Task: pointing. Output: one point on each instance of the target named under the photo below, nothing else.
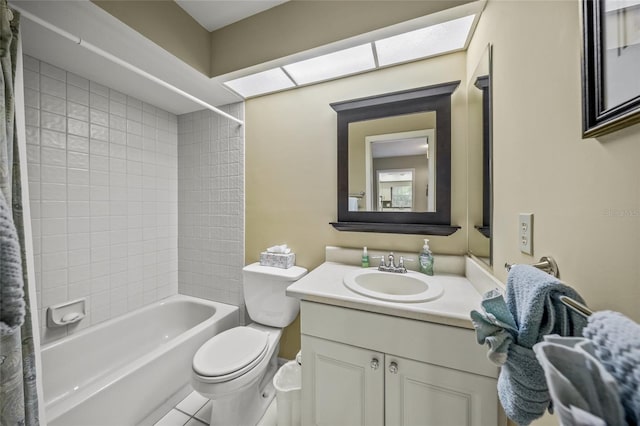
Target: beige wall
(300, 25)
(292, 27)
(168, 25)
(543, 166)
(291, 167)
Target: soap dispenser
(365, 258)
(426, 259)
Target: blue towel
(532, 300)
(495, 326)
(580, 386)
(616, 340)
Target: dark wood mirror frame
(431, 98)
(484, 84)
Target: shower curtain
(18, 394)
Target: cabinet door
(424, 394)
(341, 384)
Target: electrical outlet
(525, 225)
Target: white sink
(392, 286)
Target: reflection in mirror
(392, 164)
(382, 185)
(479, 162)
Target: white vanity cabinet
(363, 368)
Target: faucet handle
(381, 260)
(401, 266)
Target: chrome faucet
(391, 265)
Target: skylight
(425, 42)
(410, 46)
(337, 64)
(263, 82)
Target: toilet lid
(234, 350)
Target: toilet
(235, 368)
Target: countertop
(324, 285)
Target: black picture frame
(599, 119)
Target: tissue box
(277, 260)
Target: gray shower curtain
(18, 395)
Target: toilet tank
(264, 294)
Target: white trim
(390, 137)
(28, 233)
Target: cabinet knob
(375, 364)
(393, 368)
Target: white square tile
(54, 296)
(78, 241)
(31, 79)
(53, 174)
(53, 72)
(99, 132)
(204, 413)
(78, 127)
(99, 102)
(78, 95)
(77, 111)
(78, 160)
(98, 147)
(117, 108)
(53, 87)
(192, 403)
(99, 117)
(117, 96)
(98, 89)
(31, 98)
(77, 81)
(134, 114)
(53, 156)
(32, 116)
(54, 138)
(195, 422)
(78, 192)
(134, 102)
(77, 143)
(81, 273)
(53, 192)
(99, 162)
(54, 261)
(173, 418)
(53, 104)
(54, 226)
(33, 135)
(78, 176)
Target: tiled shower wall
(211, 204)
(103, 187)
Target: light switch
(525, 226)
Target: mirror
(394, 162)
(480, 158)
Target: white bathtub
(120, 371)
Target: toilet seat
(230, 354)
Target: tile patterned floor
(195, 410)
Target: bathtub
(120, 371)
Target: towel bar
(546, 263)
(576, 306)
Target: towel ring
(546, 264)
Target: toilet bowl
(235, 368)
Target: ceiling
(83, 19)
(215, 14)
